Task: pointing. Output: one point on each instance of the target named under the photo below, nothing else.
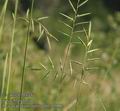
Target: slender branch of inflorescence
(72, 32)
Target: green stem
(71, 36)
(2, 18)
(24, 65)
(25, 56)
(10, 55)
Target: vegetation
(78, 72)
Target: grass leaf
(4, 75)
(86, 34)
(93, 50)
(82, 15)
(66, 24)
(82, 42)
(93, 59)
(72, 6)
(27, 13)
(49, 44)
(44, 66)
(24, 19)
(65, 34)
(89, 43)
(52, 64)
(61, 65)
(89, 31)
(2, 18)
(41, 35)
(32, 25)
(92, 68)
(77, 62)
(45, 75)
(40, 28)
(42, 18)
(83, 3)
(53, 37)
(66, 16)
(81, 23)
(71, 69)
(79, 31)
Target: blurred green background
(101, 91)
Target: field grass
(80, 72)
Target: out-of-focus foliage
(103, 83)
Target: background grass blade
(2, 18)
(11, 54)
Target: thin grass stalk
(69, 45)
(84, 64)
(78, 90)
(32, 8)
(71, 36)
(24, 64)
(11, 53)
(83, 71)
(2, 18)
(4, 75)
(3, 79)
(25, 56)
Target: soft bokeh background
(101, 91)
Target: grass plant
(62, 79)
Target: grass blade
(32, 25)
(53, 37)
(44, 66)
(24, 59)
(79, 31)
(41, 34)
(89, 31)
(83, 3)
(72, 6)
(42, 18)
(65, 34)
(66, 16)
(82, 42)
(89, 43)
(2, 18)
(4, 77)
(40, 28)
(45, 75)
(49, 44)
(81, 23)
(92, 68)
(71, 69)
(66, 24)
(51, 62)
(27, 13)
(93, 50)
(93, 59)
(77, 62)
(11, 53)
(82, 15)
(61, 65)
